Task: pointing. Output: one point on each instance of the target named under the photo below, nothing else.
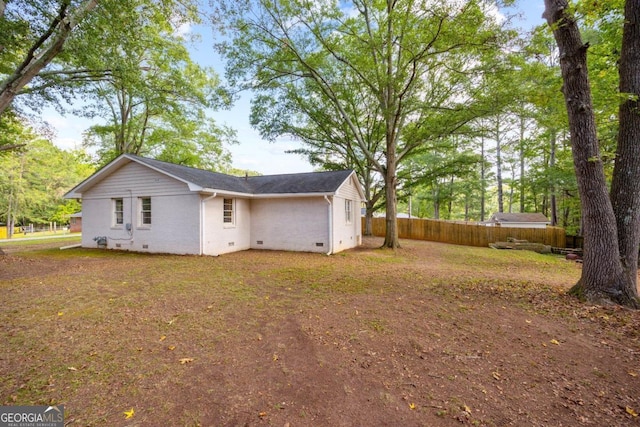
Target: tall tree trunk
(436, 201)
(391, 235)
(625, 191)
(390, 109)
(522, 162)
(391, 183)
(552, 164)
(603, 277)
(466, 207)
(483, 180)
(367, 177)
(513, 180)
(368, 219)
(499, 165)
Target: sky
(252, 153)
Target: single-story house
(75, 222)
(518, 220)
(140, 204)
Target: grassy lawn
(431, 334)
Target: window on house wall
(227, 214)
(348, 211)
(118, 212)
(145, 210)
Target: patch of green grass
(377, 325)
(64, 241)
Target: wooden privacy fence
(468, 234)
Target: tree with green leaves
(127, 61)
(11, 129)
(437, 175)
(326, 136)
(154, 99)
(34, 180)
(32, 35)
(411, 57)
(611, 221)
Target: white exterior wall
(175, 213)
(179, 217)
(290, 224)
(221, 238)
(347, 234)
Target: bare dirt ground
(431, 335)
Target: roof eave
(290, 195)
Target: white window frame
(348, 211)
(118, 214)
(229, 212)
(141, 216)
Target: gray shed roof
(519, 217)
(297, 183)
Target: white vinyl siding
(138, 178)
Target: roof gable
(201, 180)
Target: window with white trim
(145, 211)
(118, 211)
(228, 216)
(348, 211)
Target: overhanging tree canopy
(409, 57)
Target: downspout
(202, 221)
(330, 225)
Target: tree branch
(56, 35)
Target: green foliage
(364, 84)
(153, 97)
(34, 180)
(12, 135)
(127, 62)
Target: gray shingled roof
(519, 217)
(206, 179)
(296, 183)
